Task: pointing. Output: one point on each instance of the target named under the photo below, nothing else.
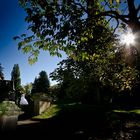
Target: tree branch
(82, 7)
(107, 4)
(132, 10)
(116, 26)
(114, 14)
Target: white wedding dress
(23, 101)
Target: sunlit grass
(51, 112)
(56, 109)
(135, 111)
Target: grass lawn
(56, 109)
(94, 122)
(51, 112)
(131, 111)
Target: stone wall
(40, 106)
(43, 106)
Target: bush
(9, 108)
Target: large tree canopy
(63, 24)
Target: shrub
(9, 108)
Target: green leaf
(59, 54)
(118, 1)
(27, 48)
(20, 44)
(16, 37)
(23, 35)
(111, 2)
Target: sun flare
(128, 39)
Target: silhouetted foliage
(98, 81)
(41, 84)
(15, 77)
(6, 90)
(1, 73)
(27, 88)
(61, 25)
(55, 92)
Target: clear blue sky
(11, 24)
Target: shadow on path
(67, 125)
(78, 125)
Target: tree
(60, 25)
(15, 77)
(3, 95)
(34, 86)
(55, 92)
(128, 13)
(65, 74)
(1, 73)
(41, 84)
(28, 88)
(101, 80)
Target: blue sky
(11, 24)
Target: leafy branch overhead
(64, 25)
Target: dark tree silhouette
(15, 77)
(41, 84)
(1, 73)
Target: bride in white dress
(23, 101)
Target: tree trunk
(133, 20)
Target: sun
(128, 39)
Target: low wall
(43, 106)
(40, 106)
